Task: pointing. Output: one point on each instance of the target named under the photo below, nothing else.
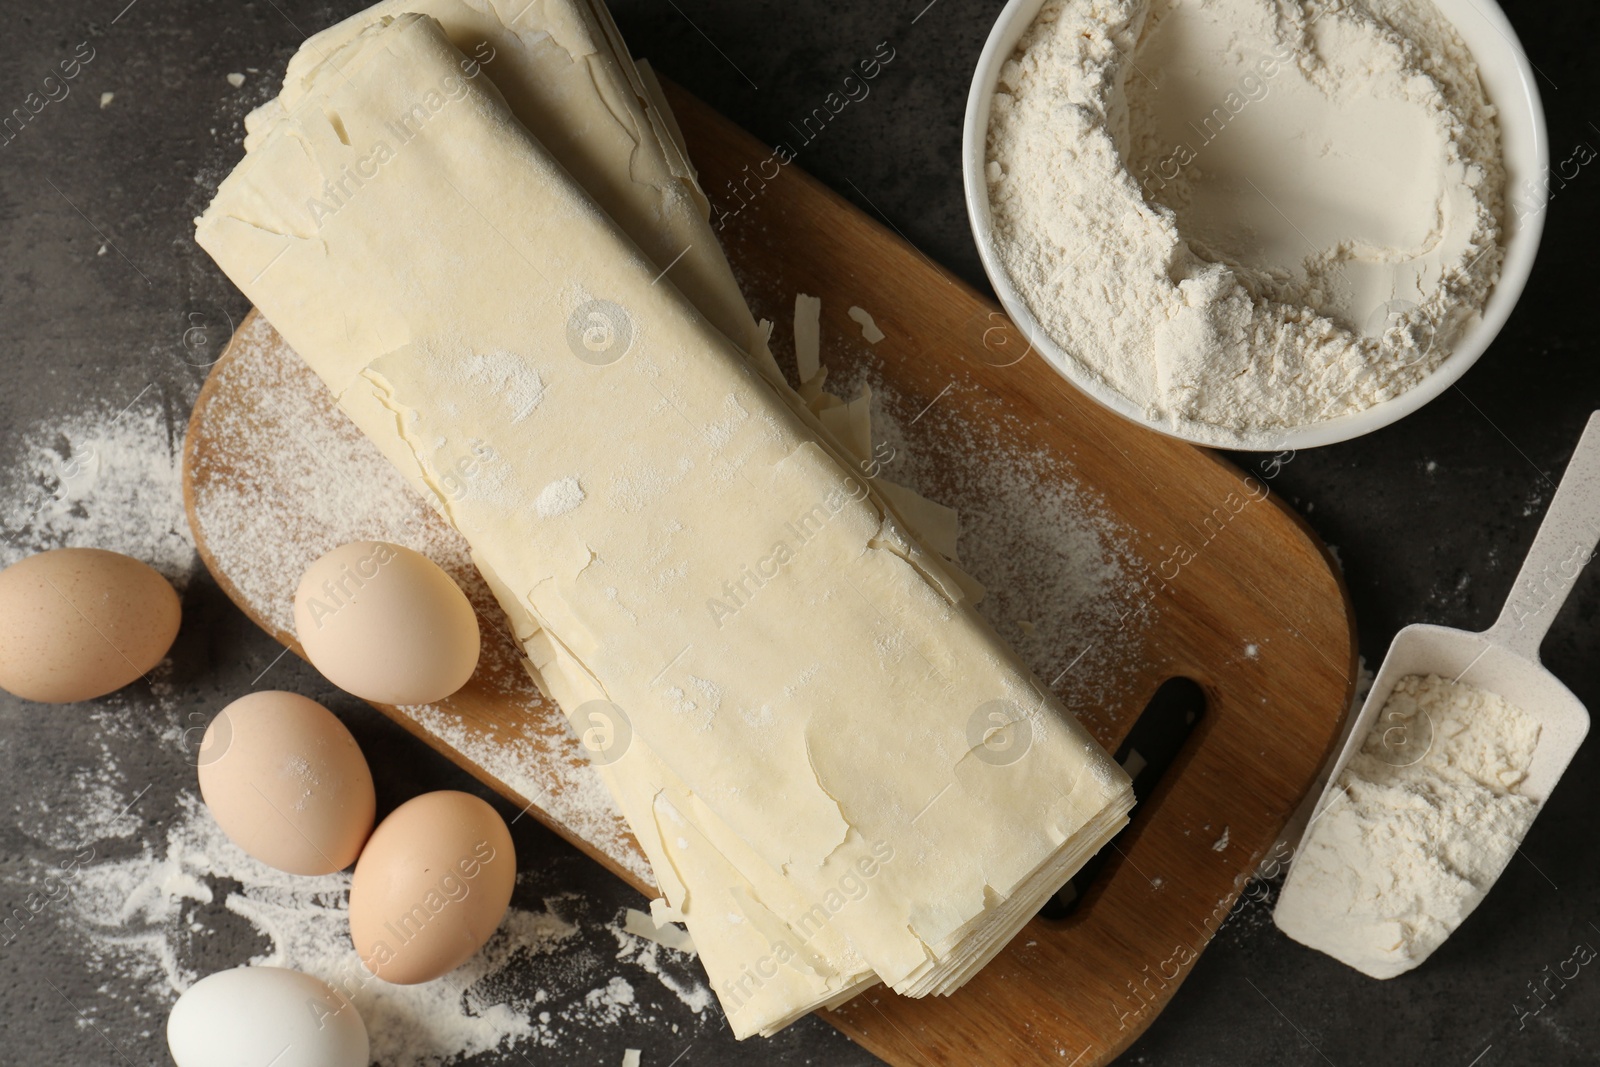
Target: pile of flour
(1427, 818)
(1246, 216)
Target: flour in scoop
(1246, 216)
(1426, 817)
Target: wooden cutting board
(1216, 580)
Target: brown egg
(78, 623)
(287, 783)
(386, 623)
(432, 884)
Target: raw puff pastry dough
(801, 774)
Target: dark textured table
(101, 295)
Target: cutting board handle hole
(1147, 753)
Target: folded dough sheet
(812, 701)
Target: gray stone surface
(100, 282)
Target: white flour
(558, 498)
(1246, 216)
(100, 479)
(1429, 819)
(146, 920)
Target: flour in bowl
(1247, 216)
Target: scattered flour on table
(1428, 817)
(645, 951)
(147, 920)
(100, 479)
(88, 805)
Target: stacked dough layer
(813, 701)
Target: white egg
(251, 1016)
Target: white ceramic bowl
(1508, 79)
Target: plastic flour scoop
(1505, 658)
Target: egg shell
(78, 623)
(287, 783)
(252, 1016)
(432, 884)
(386, 623)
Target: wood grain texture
(1225, 585)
